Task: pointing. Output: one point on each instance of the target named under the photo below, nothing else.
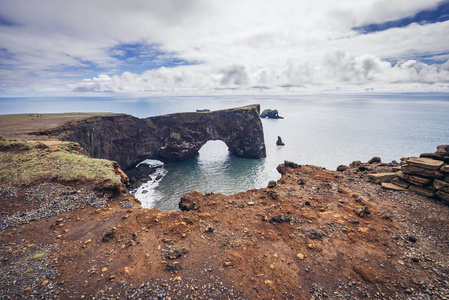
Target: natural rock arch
(129, 140)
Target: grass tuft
(39, 256)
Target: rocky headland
(69, 229)
(130, 140)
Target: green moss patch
(24, 163)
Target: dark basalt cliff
(129, 140)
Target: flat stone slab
(416, 180)
(426, 163)
(401, 183)
(422, 191)
(414, 170)
(391, 186)
(381, 177)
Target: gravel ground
(53, 199)
(26, 272)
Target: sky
(211, 47)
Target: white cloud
(337, 69)
(240, 45)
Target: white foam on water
(151, 163)
(147, 193)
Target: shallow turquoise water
(321, 130)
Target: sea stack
(270, 114)
(279, 142)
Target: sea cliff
(130, 140)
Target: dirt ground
(316, 234)
(19, 125)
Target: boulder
(282, 169)
(190, 201)
(355, 164)
(422, 191)
(441, 185)
(280, 218)
(381, 177)
(363, 210)
(342, 168)
(375, 159)
(442, 153)
(279, 142)
(424, 162)
(443, 150)
(392, 186)
(290, 164)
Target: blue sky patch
(135, 58)
(433, 58)
(439, 14)
(5, 22)
(140, 57)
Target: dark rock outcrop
(279, 142)
(190, 201)
(129, 140)
(375, 159)
(342, 168)
(142, 173)
(270, 114)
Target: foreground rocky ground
(313, 234)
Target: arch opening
(213, 151)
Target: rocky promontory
(129, 140)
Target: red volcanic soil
(315, 234)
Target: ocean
(322, 130)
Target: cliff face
(129, 140)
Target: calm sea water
(321, 130)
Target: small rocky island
(279, 142)
(270, 114)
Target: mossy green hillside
(23, 163)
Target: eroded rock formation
(129, 140)
(270, 114)
(426, 175)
